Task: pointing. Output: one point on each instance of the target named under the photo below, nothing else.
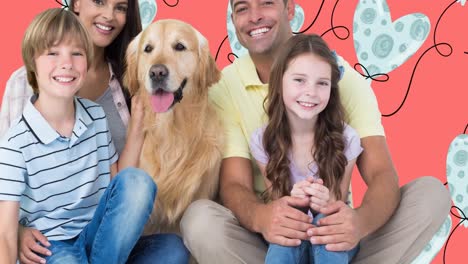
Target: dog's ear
(209, 73)
(130, 79)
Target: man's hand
(340, 230)
(29, 248)
(281, 223)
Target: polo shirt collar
(41, 129)
(82, 117)
(248, 72)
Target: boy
(58, 164)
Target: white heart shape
(382, 45)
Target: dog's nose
(158, 72)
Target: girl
(111, 24)
(306, 143)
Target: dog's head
(170, 60)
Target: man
(392, 225)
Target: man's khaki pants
(213, 234)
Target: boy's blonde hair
(47, 29)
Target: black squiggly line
(411, 79)
(451, 233)
(435, 31)
(229, 56)
(372, 77)
(169, 5)
(219, 48)
(313, 22)
(466, 52)
(466, 128)
(333, 27)
(63, 5)
(332, 30)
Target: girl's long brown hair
(328, 141)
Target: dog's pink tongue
(161, 101)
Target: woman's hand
(130, 155)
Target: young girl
(111, 24)
(306, 149)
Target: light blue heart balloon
(457, 173)
(433, 247)
(381, 44)
(457, 177)
(148, 9)
(296, 24)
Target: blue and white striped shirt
(57, 180)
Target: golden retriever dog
(170, 67)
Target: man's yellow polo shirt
(239, 98)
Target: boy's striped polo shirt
(57, 180)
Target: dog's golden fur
(182, 149)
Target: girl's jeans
(306, 253)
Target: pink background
(434, 113)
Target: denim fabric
(159, 248)
(306, 253)
(116, 226)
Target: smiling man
(392, 224)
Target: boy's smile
(61, 69)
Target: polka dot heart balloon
(457, 173)
(148, 9)
(433, 247)
(457, 177)
(381, 44)
(296, 23)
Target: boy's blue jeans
(306, 253)
(116, 228)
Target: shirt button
(119, 104)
